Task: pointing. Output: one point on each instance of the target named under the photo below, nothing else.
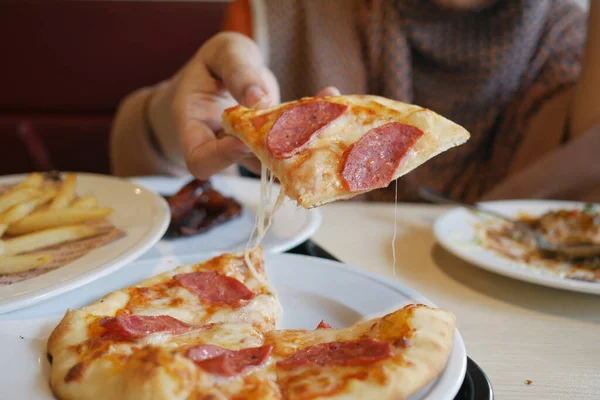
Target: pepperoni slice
(294, 127)
(324, 325)
(372, 161)
(215, 288)
(138, 326)
(357, 352)
(224, 362)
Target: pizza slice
(226, 288)
(385, 358)
(324, 149)
(195, 330)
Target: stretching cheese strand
(263, 218)
(395, 228)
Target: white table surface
(514, 330)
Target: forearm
(132, 151)
(569, 172)
(585, 110)
(161, 124)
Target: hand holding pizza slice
(324, 149)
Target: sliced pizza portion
(226, 288)
(324, 149)
(184, 332)
(385, 358)
(158, 357)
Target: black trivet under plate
(476, 385)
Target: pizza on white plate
(208, 331)
(324, 149)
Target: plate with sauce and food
(219, 215)
(500, 247)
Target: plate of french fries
(59, 231)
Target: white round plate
(455, 232)
(309, 289)
(290, 227)
(144, 217)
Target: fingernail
(256, 96)
(333, 91)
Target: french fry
(88, 201)
(16, 196)
(46, 219)
(66, 192)
(1, 247)
(3, 228)
(33, 180)
(46, 238)
(14, 264)
(24, 209)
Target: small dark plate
(476, 385)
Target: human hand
(185, 112)
(228, 69)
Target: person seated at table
(513, 73)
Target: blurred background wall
(65, 65)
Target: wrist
(160, 123)
(148, 121)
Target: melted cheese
(395, 227)
(264, 216)
(159, 296)
(227, 335)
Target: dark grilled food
(197, 208)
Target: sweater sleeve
(132, 151)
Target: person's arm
(585, 110)
(573, 170)
(570, 172)
(133, 150)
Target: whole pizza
(208, 331)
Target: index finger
(237, 61)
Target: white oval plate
(144, 217)
(455, 232)
(291, 225)
(309, 289)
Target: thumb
(210, 157)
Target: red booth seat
(65, 65)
